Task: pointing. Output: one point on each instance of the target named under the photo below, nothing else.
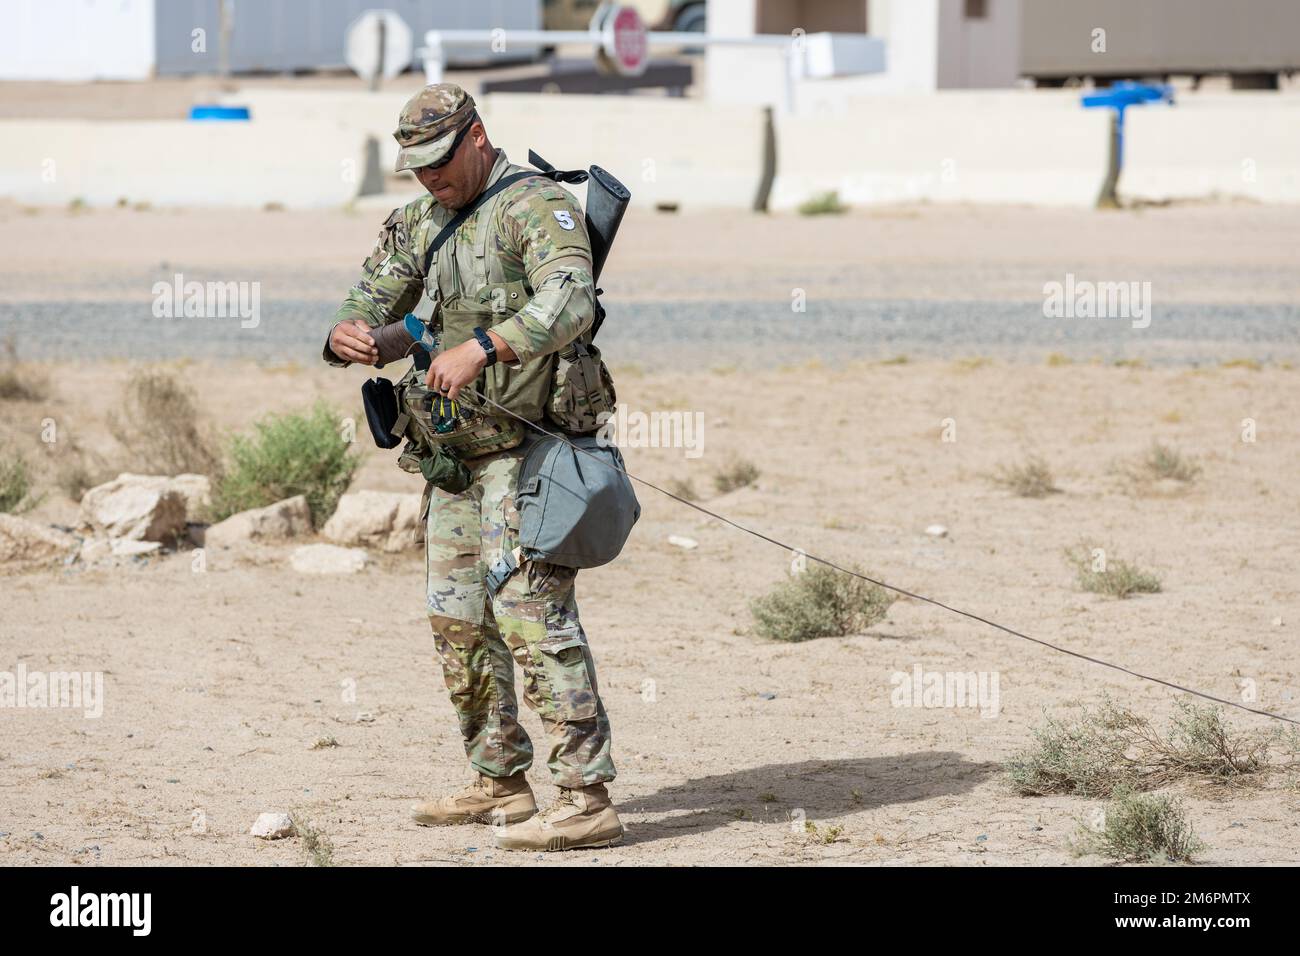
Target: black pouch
(380, 401)
(444, 470)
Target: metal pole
(381, 38)
(794, 59)
(434, 58)
(1108, 198)
(225, 25)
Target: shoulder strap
(558, 175)
(446, 232)
(544, 169)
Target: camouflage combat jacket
(520, 265)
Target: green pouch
(409, 459)
(444, 470)
(582, 393)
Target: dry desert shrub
(1087, 756)
(735, 474)
(683, 488)
(1159, 463)
(158, 423)
(76, 469)
(823, 204)
(1029, 479)
(820, 602)
(18, 383)
(1139, 827)
(320, 851)
(15, 483)
(1107, 749)
(1163, 462)
(825, 837)
(1110, 576)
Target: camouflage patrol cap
(429, 123)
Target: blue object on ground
(219, 113)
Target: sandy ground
(217, 682)
(1209, 253)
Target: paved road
(709, 333)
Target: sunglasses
(455, 144)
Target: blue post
(1118, 98)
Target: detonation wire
(911, 594)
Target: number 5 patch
(564, 218)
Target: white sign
(361, 46)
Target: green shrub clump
(287, 455)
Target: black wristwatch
(485, 340)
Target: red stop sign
(625, 41)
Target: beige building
(989, 44)
(1253, 41)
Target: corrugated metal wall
(282, 35)
(1159, 36)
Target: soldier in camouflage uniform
(520, 267)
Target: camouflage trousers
(533, 621)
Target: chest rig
(571, 390)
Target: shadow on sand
(819, 788)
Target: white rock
(197, 492)
(101, 550)
(195, 489)
(95, 549)
(273, 826)
(126, 548)
(26, 542)
(937, 531)
(327, 559)
(136, 507)
(284, 519)
(679, 541)
(377, 519)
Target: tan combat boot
(583, 818)
(494, 800)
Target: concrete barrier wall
(308, 149)
(301, 164)
(677, 151)
(369, 114)
(1230, 145)
(1036, 147)
(944, 147)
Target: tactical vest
(569, 390)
